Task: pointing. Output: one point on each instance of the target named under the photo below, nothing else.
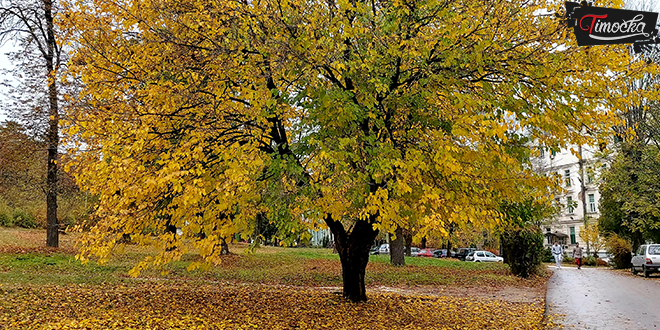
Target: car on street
(461, 253)
(384, 249)
(604, 256)
(483, 256)
(425, 253)
(646, 259)
(414, 251)
(441, 253)
(374, 250)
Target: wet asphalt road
(601, 299)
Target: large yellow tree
(361, 116)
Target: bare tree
(31, 24)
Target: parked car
(646, 259)
(483, 256)
(604, 256)
(414, 251)
(442, 253)
(384, 249)
(374, 250)
(463, 252)
(425, 253)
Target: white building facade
(579, 199)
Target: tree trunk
(52, 231)
(224, 247)
(353, 249)
(423, 244)
(408, 239)
(397, 257)
(583, 192)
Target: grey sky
(4, 64)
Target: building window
(590, 175)
(567, 178)
(553, 153)
(592, 203)
(572, 235)
(569, 204)
(542, 153)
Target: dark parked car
(463, 252)
(442, 253)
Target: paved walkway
(592, 298)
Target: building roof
(556, 234)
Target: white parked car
(646, 259)
(605, 257)
(384, 249)
(483, 256)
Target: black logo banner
(603, 26)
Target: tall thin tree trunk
(353, 248)
(52, 231)
(397, 256)
(583, 193)
(408, 239)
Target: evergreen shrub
(23, 219)
(522, 249)
(589, 261)
(6, 220)
(547, 255)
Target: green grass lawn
(270, 265)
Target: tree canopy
(362, 116)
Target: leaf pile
(179, 305)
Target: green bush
(620, 249)
(589, 261)
(522, 249)
(68, 221)
(546, 256)
(24, 220)
(6, 220)
(568, 259)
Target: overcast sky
(4, 64)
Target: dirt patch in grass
(32, 240)
(535, 294)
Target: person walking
(558, 253)
(577, 254)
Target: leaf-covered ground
(176, 305)
(272, 289)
